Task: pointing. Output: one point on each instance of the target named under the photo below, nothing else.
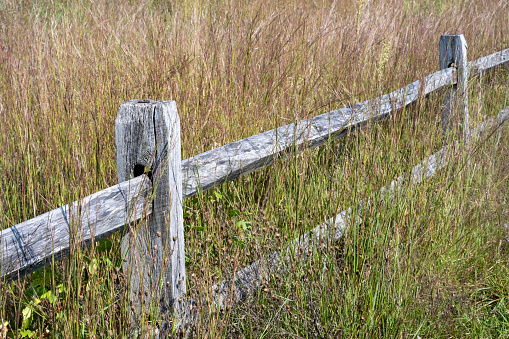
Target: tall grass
(430, 263)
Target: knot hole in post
(140, 169)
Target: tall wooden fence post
(147, 138)
(453, 53)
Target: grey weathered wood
(147, 134)
(453, 53)
(250, 278)
(490, 123)
(51, 236)
(489, 62)
(226, 163)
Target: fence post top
(449, 36)
(453, 51)
(147, 102)
(136, 125)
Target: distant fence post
(147, 138)
(453, 53)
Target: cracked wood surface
(38, 242)
(489, 62)
(147, 135)
(453, 51)
(226, 163)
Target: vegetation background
(431, 263)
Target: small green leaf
(27, 316)
(244, 225)
(26, 333)
(218, 195)
(92, 267)
(108, 262)
(199, 228)
(50, 296)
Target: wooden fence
(153, 181)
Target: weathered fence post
(453, 53)
(147, 138)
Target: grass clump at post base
(432, 262)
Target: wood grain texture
(147, 134)
(453, 53)
(249, 279)
(51, 236)
(226, 163)
(489, 62)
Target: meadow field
(433, 262)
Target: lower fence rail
(249, 279)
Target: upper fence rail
(40, 241)
(489, 62)
(226, 163)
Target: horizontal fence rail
(226, 163)
(40, 241)
(215, 167)
(489, 62)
